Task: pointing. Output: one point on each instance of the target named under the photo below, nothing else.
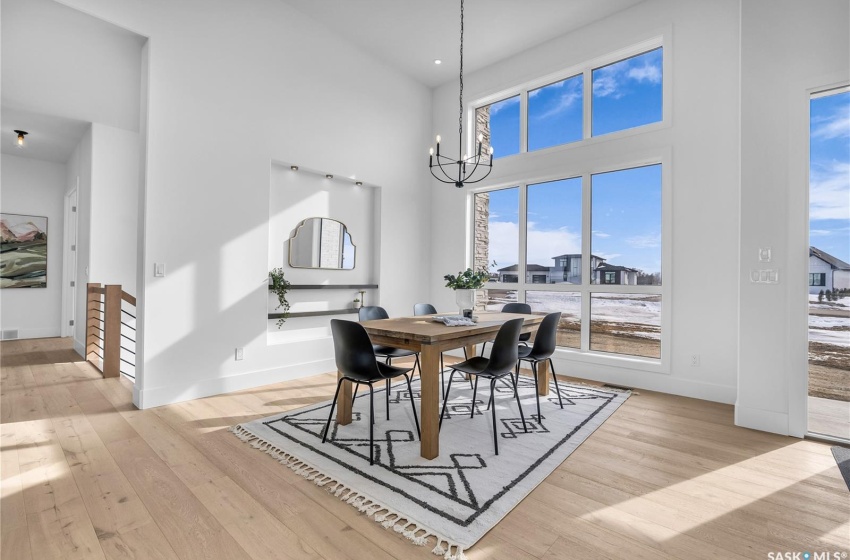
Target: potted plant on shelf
(280, 286)
(465, 284)
(357, 303)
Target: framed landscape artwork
(23, 251)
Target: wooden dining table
(429, 338)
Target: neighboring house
(613, 274)
(567, 270)
(827, 272)
(534, 274)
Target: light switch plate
(159, 269)
(765, 254)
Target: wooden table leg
(430, 404)
(343, 403)
(543, 378)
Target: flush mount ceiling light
(293, 167)
(358, 183)
(474, 161)
(437, 61)
(19, 141)
(329, 176)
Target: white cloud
(499, 105)
(601, 234)
(648, 72)
(566, 101)
(605, 85)
(820, 232)
(829, 197)
(836, 125)
(645, 241)
(608, 256)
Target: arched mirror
(321, 243)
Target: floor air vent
(9, 334)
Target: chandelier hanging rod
(475, 160)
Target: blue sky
(626, 204)
(829, 175)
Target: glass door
(829, 264)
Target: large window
(584, 234)
(618, 277)
(624, 92)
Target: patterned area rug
(457, 497)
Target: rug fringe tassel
(410, 529)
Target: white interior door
(69, 272)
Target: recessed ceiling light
(358, 183)
(329, 176)
(293, 167)
(437, 61)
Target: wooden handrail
(103, 323)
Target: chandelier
(466, 165)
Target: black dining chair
(542, 350)
(523, 308)
(501, 363)
(357, 362)
(372, 313)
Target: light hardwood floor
(86, 475)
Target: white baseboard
(764, 420)
(79, 348)
(160, 396)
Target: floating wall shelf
(314, 313)
(324, 287)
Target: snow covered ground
(830, 329)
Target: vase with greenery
(464, 284)
(279, 287)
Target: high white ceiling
(50, 138)
(409, 34)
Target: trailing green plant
(279, 287)
(467, 280)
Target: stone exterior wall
(481, 252)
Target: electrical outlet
(694, 360)
(240, 354)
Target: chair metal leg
(493, 411)
(413, 405)
(354, 394)
(519, 406)
(388, 399)
(474, 394)
(331, 413)
(536, 391)
(515, 379)
(555, 377)
(446, 399)
(371, 425)
(483, 346)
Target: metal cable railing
(111, 330)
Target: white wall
(114, 206)
(232, 87)
(787, 48)
(59, 61)
(703, 145)
(37, 188)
